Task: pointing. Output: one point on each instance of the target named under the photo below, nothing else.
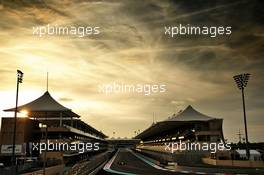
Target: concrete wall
(24, 130)
(54, 170)
(237, 163)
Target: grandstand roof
(45, 103)
(189, 114)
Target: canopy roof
(45, 104)
(189, 114)
(183, 118)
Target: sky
(133, 49)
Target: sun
(24, 113)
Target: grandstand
(188, 126)
(48, 121)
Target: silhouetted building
(25, 135)
(187, 125)
(49, 121)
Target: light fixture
(242, 81)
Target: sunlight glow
(24, 113)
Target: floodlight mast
(241, 81)
(19, 80)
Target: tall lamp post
(241, 81)
(19, 80)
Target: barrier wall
(54, 170)
(237, 163)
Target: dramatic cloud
(132, 49)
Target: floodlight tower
(19, 80)
(241, 81)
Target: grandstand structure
(188, 125)
(48, 120)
